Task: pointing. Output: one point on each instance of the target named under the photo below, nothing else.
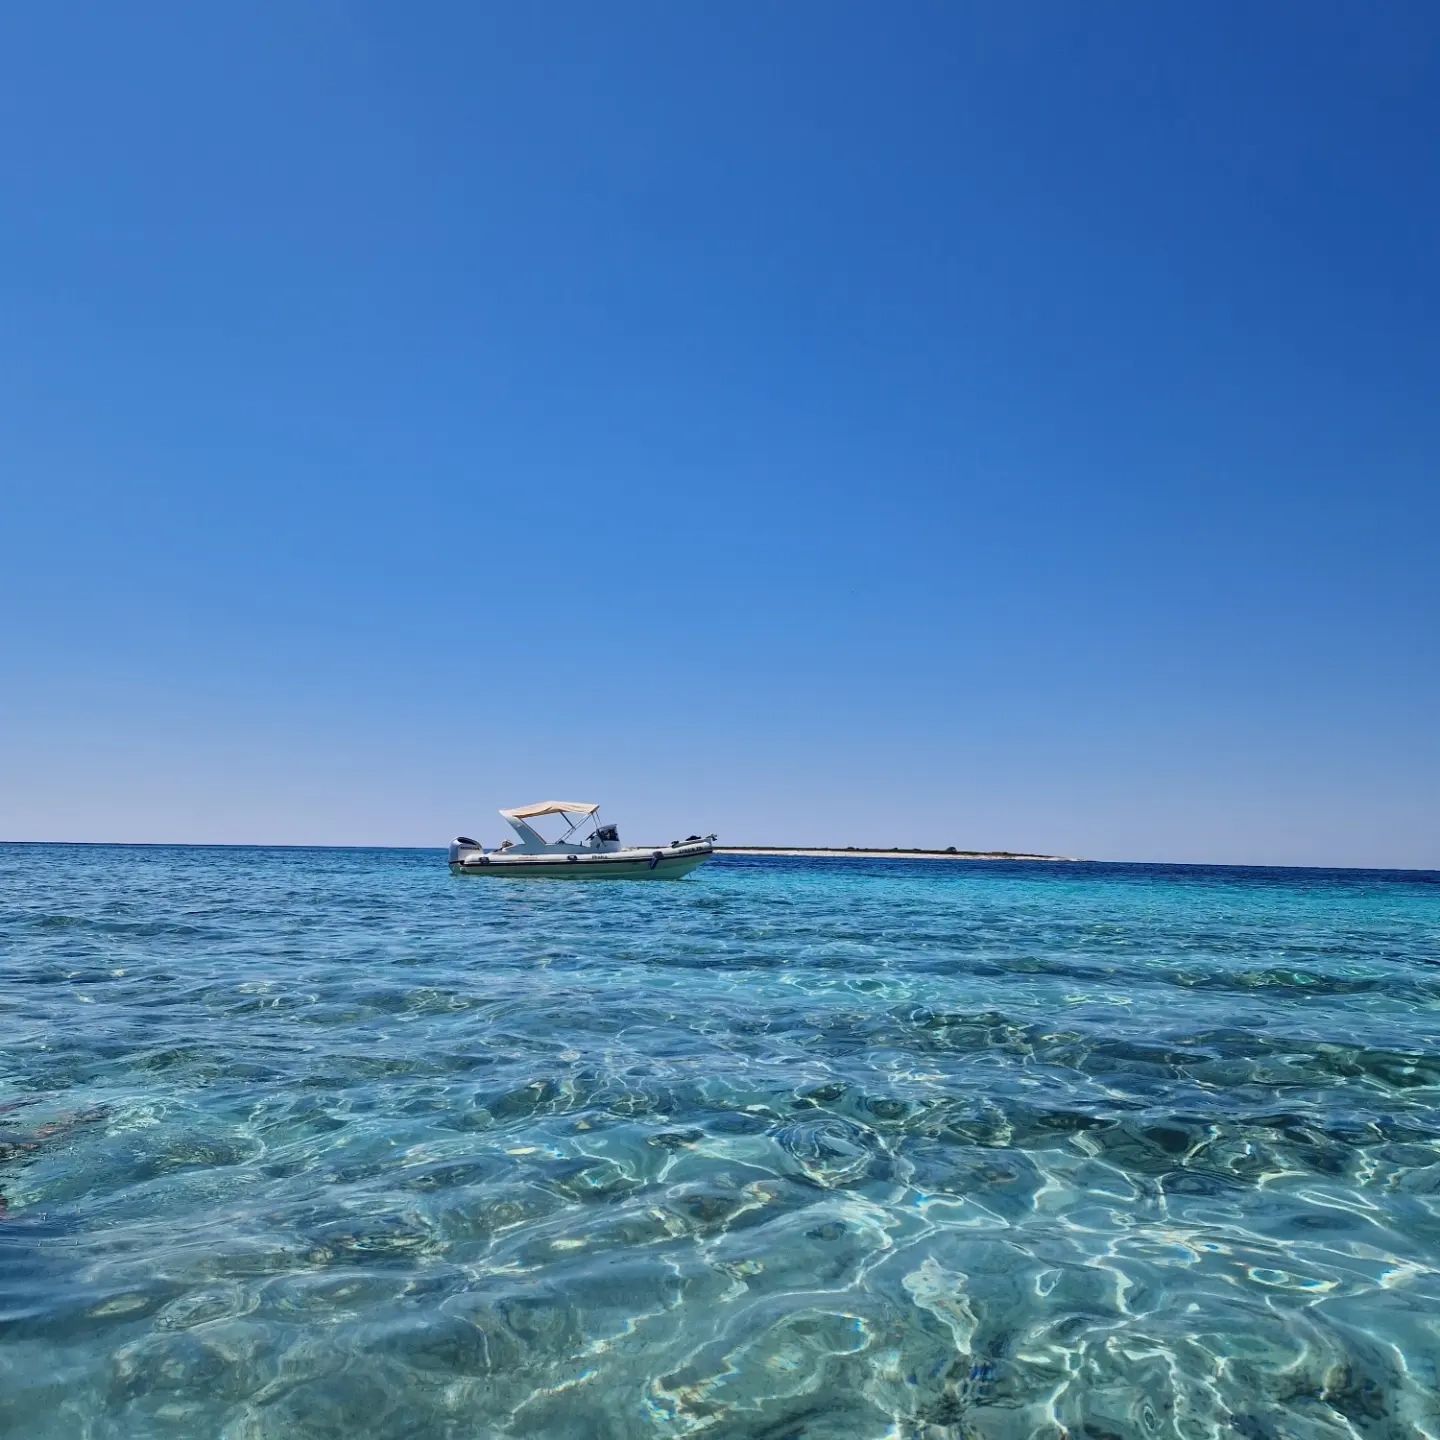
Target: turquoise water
(313, 1143)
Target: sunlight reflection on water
(323, 1143)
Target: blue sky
(918, 423)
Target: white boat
(599, 856)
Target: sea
(303, 1144)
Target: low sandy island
(850, 853)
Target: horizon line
(837, 850)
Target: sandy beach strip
(820, 853)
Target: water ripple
(324, 1143)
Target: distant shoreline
(850, 852)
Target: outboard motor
(606, 837)
(464, 850)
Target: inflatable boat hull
(669, 862)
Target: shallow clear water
(312, 1143)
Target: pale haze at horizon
(818, 424)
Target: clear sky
(914, 423)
